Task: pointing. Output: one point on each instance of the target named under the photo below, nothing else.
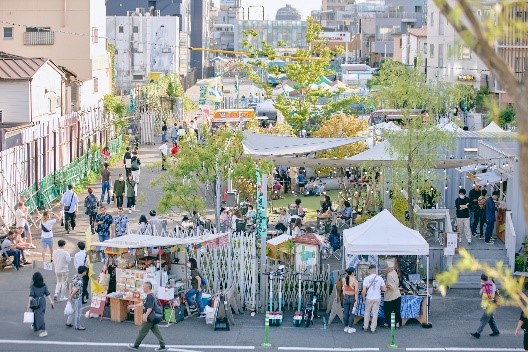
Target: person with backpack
(136, 166)
(131, 193)
(127, 161)
(152, 313)
(197, 281)
(487, 292)
(119, 190)
(38, 292)
(91, 203)
(373, 284)
(69, 203)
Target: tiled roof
(309, 238)
(18, 67)
(418, 32)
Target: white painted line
(329, 349)
(465, 349)
(116, 344)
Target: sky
(271, 7)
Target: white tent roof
(488, 177)
(492, 127)
(449, 126)
(379, 152)
(261, 144)
(384, 235)
(143, 241)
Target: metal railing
(39, 38)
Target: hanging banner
(214, 90)
(261, 220)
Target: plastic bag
(68, 310)
(29, 317)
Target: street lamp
(256, 6)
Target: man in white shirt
(372, 287)
(69, 203)
(79, 259)
(61, 261)
(21, 214)
(164, 149)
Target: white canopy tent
(143, 241)
(492, 127)
(385, 235)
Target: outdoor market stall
(384, 235)
(142, 258)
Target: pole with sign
(262, 227)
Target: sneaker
(490, 242)
(63, 299)
(481, 237)
(32, 246)
(346, 329)
(469, 242)
(474, 234)
(161, 349)
(351, 330)
(132, 347)
(475, 335)
(202, 315)
(130, 212)
(43, 333)
(55, 299)
(495, 333)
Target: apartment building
(71, 33)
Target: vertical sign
(262, 227)
(203, 92)
(451, 243)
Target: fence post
(392, 343)
(266, 342)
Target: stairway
(483, 252)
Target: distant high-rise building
(288, 13)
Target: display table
(412, 307)
(119, 309)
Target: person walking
(75, 298)
(487, 292)
(350, 299)
(119, 190)
(46, 224)
(392, 297)
(61, 261)
(120, 223)
(194, 295)
(523, 324)
(131, 193)
(373, 284)
(69, 204)
(103, 222)
(491, 216)
(80, 259)
(127, 161)
(105, 184)
(164, 149)
(39, 291)
(149, 306)
(136, 166)
(91, 203)
(474, 195)
(462, 215)
(482, 212)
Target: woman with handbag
(37, 303)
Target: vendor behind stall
(392, 298)
(196, 289)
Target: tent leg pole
(427, 289)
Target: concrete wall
(46, 93)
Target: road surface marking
(323, 349)
(465, 349)
(115, 344)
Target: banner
(261, 219)
(214, 90)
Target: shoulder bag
(156, 315)
(67, 207)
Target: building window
(431, 51)
(121, 29)
(464, 53)
(8, 32)
(431, 20)
(440, 55)
(440, 25)
(137, 77)
(95, 84)
(95, 35)
(1, 116)
(135, 29)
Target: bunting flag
(96, 287)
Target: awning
(145, 241)
(472, 168)
(488, 177)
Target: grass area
(310, 204)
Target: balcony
(39, 38)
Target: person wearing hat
(392, 301)
(373, 284)
(350, 299)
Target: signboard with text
(336, 37)
(451, 243)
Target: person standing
(21, 215)
(120, 223)
(27, 228)
(105, 184)
(119, 190)
(75, 298)
(103, 222)
(196, 289)
(46, 223)
(174, 152)
(149, 305)
(487, 292)
(482, 212)
(136, 166)
(90, 203)
(392, 297)
(373, 284)
(164, 149)
(39, 291)
(491, 216)
(350, 299)
(131, 193)
(523, 324)
(156, 225)
(164, 131)
(9, 249)
(69, 203)
(473, 196)
(80, 259)
(61, 261)
(127, 161)
(462, 215)
(174, 133)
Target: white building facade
(146, 47)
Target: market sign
(467, 78)
(336, 37)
